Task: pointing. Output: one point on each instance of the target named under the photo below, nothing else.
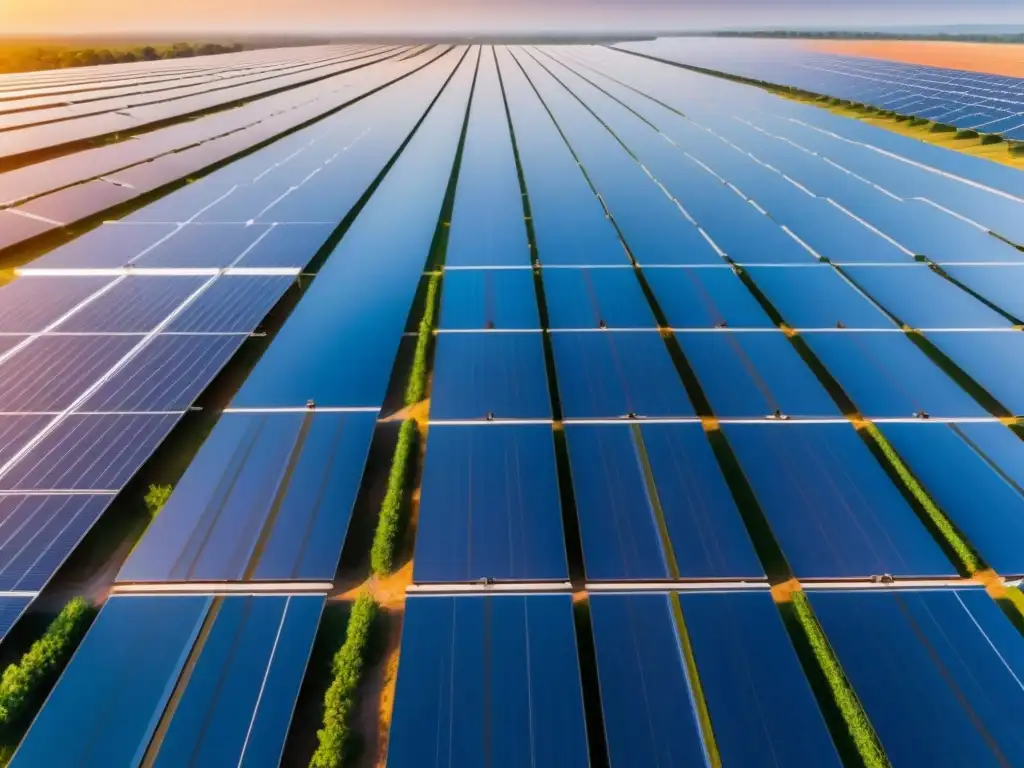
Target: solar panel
(999, 285)
(994, 360)
(16, 432)
(490, 506)
(287, 245)
(594, 298)
(935, 671)
(505, 299)
(503, 374)
(832, 508)
(635, 485)
(30, 305)
(51, 372)
(134, 305)
(107, 246)
(502, 665)
(11, 609)
(705, 298)
(203, 245)
(232, 304)
(244, 675)
(611, 374)
(268, 497)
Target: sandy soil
(994, 58)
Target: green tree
(156, 497)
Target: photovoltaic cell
(268, 498)
(586, 298)
(490, 506)
(499, 373)
(107, 246)
(134, 305)
(203, 245)
(288, 245)
(491, 680)
(16, 432)
(11, 609)
(621, 511)
(89, 453)
(888, 376)
(31, 304)
(232, 304)
(1000, 285)
(832, 508)
(168, 374)
(994, 360)
(936, 671)
(51, 372)
(609, 374)
(505, 299)
(38, 532)
(705, 298)
(751, 375)
(234, 706)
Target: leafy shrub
(416, 387)
(849, 706)
(952, 537)
(23, 683)
(339, 701)
(156, 497)
(389, 524)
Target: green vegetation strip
(156, 497)
(28, 57)
(25, 683)
(942, 523)
(417, 385)
(699, 703)
(339, 701)
(389, 524)
(856, 719)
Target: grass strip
(389, 524)
(417, 385)
(950, 535)
(699, 702)
(857, 722)
(26, 682)
(347, 668)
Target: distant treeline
(28, 57)
(973, 37)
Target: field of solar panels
(542, 406)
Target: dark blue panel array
(268, 497)
(203, 245)
(232, 304)
(817, 297)
(503, 374)
(752, 375)
(243, 657)
(706, 298)
(134, 305)
(621, 510)
(17, 431)
(487, 227)
(649, 713)
(490, 506)
(888, 376)
(975, 472)
(595, 298)
(490, 680)
(475, 300)
(752, 682)
(89, 452)
(937, 672)
(51, 372)
(108, 246)
(832, 508)
(610, 374)
(287, 245)
(920, 298)
(994, 360)
(38, 532)
(30, 305)
(1000, 285)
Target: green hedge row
(416, 387)
(849, 706)
(24, 682)
(952, 537)
(389, 524)
(347, 668)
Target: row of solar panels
(100, 368)
(966, 100)
(496, 680)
